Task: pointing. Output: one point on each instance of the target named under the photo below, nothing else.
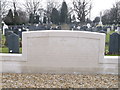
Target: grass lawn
(5, 50)
(112, 55)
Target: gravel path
(59, 81)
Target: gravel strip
(59, 81)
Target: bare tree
(50, 5)
(106, 18)
(0, 20)
(82, 8)
(115, 11)
(112, 16)
(32, 6)
(70, 10)
(4, 5)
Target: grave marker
(13, 43)
(108, 30)
(114, 44)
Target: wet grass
(6, 50)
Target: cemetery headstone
(94, 29)
(32, 28)
(114, 44)
(99, 28)
(48, 27)
(112, 27)
(83, 28)
(6, 36)
(102, 31)
(118, 29)
(108, 30)
(13, 43)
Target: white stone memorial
(60, 51)
(71, 50)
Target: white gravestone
(108, 30)
(63, 50)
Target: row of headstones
(19, 30)
(86, 28)
(83, 28)
(100, 29)
(114, 44)
(43, 27)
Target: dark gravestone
(7, 34)
(114, 44)
(48, 27)
(102, 31)
(99, 28)
(13, 43)
(105, 29)
(94, 29)
(84, 28)
(32, 28)
(40, 27)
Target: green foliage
(9, 18)
(64, 13)
(23, 17)
(16, 18)
(112, 16)
(2, 41)
(96, 20)
(55, 16)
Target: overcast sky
(98, 5)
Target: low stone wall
(59, 51)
